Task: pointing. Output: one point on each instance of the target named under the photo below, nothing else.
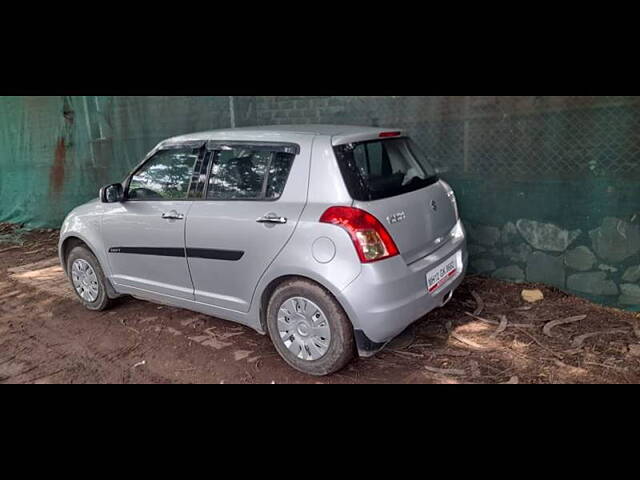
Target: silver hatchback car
(331, 239)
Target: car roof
(340, 134)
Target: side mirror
(112, 193)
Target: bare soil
(46, 336)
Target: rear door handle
(272, 219)
(173, 215)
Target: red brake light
(371, 239)
(390, 134)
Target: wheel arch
(69, 244)
(267, 292)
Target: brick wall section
(405, 110)
(327, 109)
(354, 110)
(526, 137)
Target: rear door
(393, 181)
(144, 235)
(254, 196)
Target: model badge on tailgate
(396, 217)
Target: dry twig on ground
(580, 339)
(547, 328)
(446, 371)
(501, 328)
(479, 302)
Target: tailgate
(419, 221)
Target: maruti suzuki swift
(330, 239)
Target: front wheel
(309, 329)
(87, 279)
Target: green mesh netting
(548, 186)
(56, 152)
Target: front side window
(382, 169)
(167, 176)
(248, 174)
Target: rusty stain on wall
(57, 173)
(56, 176)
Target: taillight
(371, 239)
(390, 134)
(452, 197)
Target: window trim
(262, 147)
(206, 154)
(204, 148)
(278, 147)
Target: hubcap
(304, 328)
(85, 280)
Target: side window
(278, 174)
(246, 174)
(167, 176)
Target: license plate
(444, 273)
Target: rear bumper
(389, 296)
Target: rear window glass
(383, 168)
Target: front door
(252, 202)
(144, 235)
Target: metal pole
(98, 115)
(466, 133)
(89, 129)
(232, 112)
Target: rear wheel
(87, 279)
(309, 329)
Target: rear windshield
(383, 168)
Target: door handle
(272, 219)
(173, 215)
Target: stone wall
(602, 263)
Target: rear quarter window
(383, 168)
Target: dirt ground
(486, 334)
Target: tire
(308, 331)
(83, 256)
